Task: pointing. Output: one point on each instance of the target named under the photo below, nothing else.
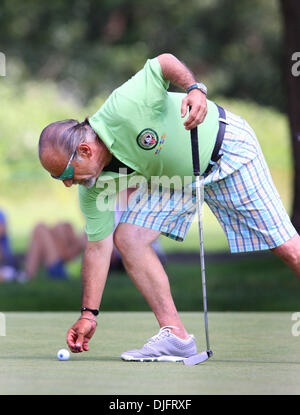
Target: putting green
(254, 353)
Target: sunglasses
(68, 173)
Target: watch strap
(93, 311)
(198, 85)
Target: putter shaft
(199, 193)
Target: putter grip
(195, 151)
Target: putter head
(198, 358)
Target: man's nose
(68, 182)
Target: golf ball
(63, 354)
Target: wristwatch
(95, 312)
(198, 85)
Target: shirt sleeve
(98, 223)
(148, 86)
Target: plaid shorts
(239, 190)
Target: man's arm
(177, 73)
(95, 267)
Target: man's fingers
(85, 346)
(196, 117)
(79, 342)
(183, 108)
(203, 114)
(74, 341)
(71, 338)
(79, 335)
(196, 101)
(192, 119)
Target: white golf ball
(63, 354)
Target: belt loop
(223, 120)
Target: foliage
(90, 47)
(65, 57)
(27, 110)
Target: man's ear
(84, 150)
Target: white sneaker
(163, 347)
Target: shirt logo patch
(147, 139)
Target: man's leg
(148, 274)
(289, 252)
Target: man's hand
(176, 72)
(196, 99)
(80, 333)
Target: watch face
(198, 85)
(202, 87)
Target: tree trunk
(291, 19)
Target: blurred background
(63, 58)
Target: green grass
(254, 353)
(251, 283)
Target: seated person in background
(52, 247)
(8, 263)
(6, 255)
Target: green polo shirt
(141, 125)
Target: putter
(200, 357)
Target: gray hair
(64, 135)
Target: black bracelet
(95, 312)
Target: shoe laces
(163, 332)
